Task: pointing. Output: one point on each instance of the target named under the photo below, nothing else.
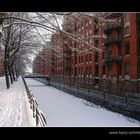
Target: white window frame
(127, 24)
(90, 22)
(125, 35)
(128, 17)
(90, 31)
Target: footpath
(14, 105)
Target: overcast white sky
(43, 36)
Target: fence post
(126, 98)
(49, 80)
(70, 87)
(77, 88)
(59, 81)
(88, 88)
(34, 106)
(104, 94)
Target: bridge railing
(37, 113)
(41, 78)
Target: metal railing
(126, 104)
(37, 113)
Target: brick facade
(110, 60)
(122, 59)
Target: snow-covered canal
(62, 109)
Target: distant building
(41, 63)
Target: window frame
(126, 18)
(127, 68)
(125, 33)
(127, 48)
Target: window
(87, 24)
(138, 69)
(72, 61)
(82, 59)
(119, 20)
(103, 54)
(90, 22)
(90, 57)
(96, 82)
(79, 71)
(96, 56)
(110, 69)
(118, 37)
(104, 70)
(126, 17)
(90, 40)
(75, 60)
(96, 70)
(86, 70)
(79, 59)
(82, 48)
(119, 51)
(119, 69)
(96, 43)
(83, 71)
(127, 48)
(127, 67)
(86, 58)
(75, 71)
(139, 47)
(90, 70)
(90, 31)
(109, 54)
(127, 30)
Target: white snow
(14, 106)
(64, 110)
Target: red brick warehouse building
(85, 61)
(41, 64)
(108, 55)
(121, 60)
(56, 56)
(116, 67)
(49, 61)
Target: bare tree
(23, 30)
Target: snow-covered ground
(14, 106)
(62, 109)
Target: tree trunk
(10, 74)
(6, 75)
(6, 58)
(13, 73)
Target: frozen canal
(62, 109)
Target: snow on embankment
(14, 106)
(62, 109)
